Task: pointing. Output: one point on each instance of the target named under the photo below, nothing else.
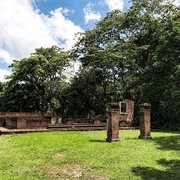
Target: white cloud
(114, 4)
(177, 2)
(90, 15)
(62, 29)
(3, 72)
(24, 28)
(5, 56)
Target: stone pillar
(113, 115)
(145, 121)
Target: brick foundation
(18, 120)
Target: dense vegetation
(86, 155)
(133, 54)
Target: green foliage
(132, 54)
(162, 72)
(137, 55)
(36, 82)
(85, 93)
(86, 155)
(1, 87)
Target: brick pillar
(145, 121)
(113, 115)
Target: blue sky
(29, 24)
(78, 7)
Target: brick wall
(16, 120)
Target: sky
(29, 24)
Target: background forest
(133, 54)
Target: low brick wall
(35, 123)
(75, 120)
(11, 122)
(23, 120)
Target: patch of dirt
(69, 171)
(59, 155)
(74, 171)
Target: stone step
(76, 125)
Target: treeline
(133, 54)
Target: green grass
(86, 155)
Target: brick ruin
(118, 114)
(126, 116)
(21, 120)
(124, 111)
(88, 118)
(145, 121)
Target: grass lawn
(86, 155)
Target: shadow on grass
(168, 143)
(172, 171)
(172, 167)
(165, 131)
(164, 142)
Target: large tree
(162, 75)
(137, 52)
(84, 93)
(36, 82)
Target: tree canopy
(137, 53)
(36, 81)
(133, 54)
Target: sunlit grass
(86, 155)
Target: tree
(128, 49)
(162, 73)
(1, 86)
(84, 93)
(36, 81)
